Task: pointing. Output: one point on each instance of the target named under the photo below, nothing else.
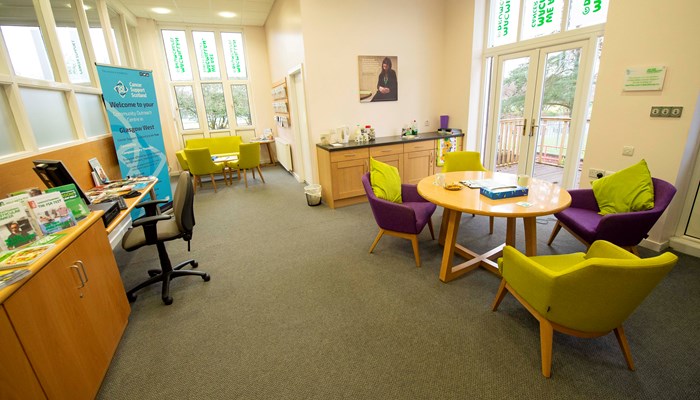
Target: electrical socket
(628, 151)
(608, 173)
(593, 173)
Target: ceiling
(248, 12)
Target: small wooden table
(545, 198)
(266, 142)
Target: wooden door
(53, 326)
(347, 178)
(417, 165)
(17, 378)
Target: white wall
(285, 48)
(641, 33)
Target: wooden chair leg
(546, 333)
(252, 170)
(499, 295)
(196, 180)
(622, 340)
(376, 240)
(416, 254)
(213, 181)
(430, 226)
(245, 177)
(555, 231)
(260, 172)
(490, 225)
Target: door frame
(491, 68)
(300, 126)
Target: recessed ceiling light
(227, 14)
(160, 10)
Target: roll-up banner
(130, 98)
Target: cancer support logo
(121, 89)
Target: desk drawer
(347, 155)
(385, 150)
(419, 146)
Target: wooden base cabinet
(71, 315)
(340, 171)
(17, 378)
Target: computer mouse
(131, 194)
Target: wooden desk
(61, 325)
(546, 198)
(131, 203)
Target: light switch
(628, 151)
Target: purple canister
(444, 119)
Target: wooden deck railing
(552, 140)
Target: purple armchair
(405, 220)
(624, 229)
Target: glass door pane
(551, 131)
(512, 103)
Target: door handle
(82, 282)
(82, 266)
(523, 125)
(532, 130)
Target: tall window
(70, 42)
(213, 85)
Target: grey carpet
(297, 309)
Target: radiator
(284, 153)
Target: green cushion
(630, 189)
(386, 181)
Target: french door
(539, 112)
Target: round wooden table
(544, 198)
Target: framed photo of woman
(378, 78)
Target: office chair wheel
(194, 264)
(206, 277)
(168, 300)
(131, 297)
(154, 272)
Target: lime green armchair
(464, 161)
(585, 295)
(200, 163)
(249, 159)
(182, 159)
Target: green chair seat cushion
(630, 189)
(386, 181)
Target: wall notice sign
(644, 78)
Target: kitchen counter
(387, 140)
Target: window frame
(11, 83)
(203, 131)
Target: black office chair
(155, 228)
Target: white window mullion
(84, 32)
(47, 25)
(107, 31)
(124, 28)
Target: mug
(523, 180)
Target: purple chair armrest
(409, 193)
(583, 198)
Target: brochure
(16, 229)
(11, 277)
(22, 257)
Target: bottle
(358, 134)
(414, 128)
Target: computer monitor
(54, 173)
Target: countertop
(387, 140)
